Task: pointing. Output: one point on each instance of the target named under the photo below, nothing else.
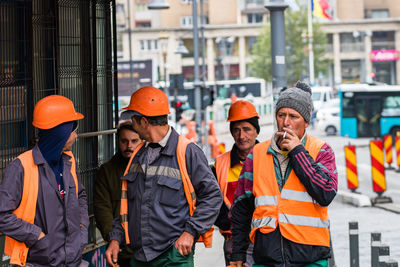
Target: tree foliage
(296, 49)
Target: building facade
(363, 39)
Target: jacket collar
(170, 147)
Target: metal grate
(58, 47)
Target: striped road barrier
(388, 144)
(351, 167)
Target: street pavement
(370, 219)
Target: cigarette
(284, 135)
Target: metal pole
(166, 89)
(196, 82)
(115, 62)
(277, 17)
(353, 237)
(375, 243)
(130, 46)
(203, 72)
(310, 44)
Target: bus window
(348, 107)
(391, 106)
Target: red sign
(384, 55)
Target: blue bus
(369, 110)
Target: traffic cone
(378, 171)
(351, 167)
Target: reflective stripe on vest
(301, 219)
(222, 166)
(17, 251)
(190, 194)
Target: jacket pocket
(40, 252)
(169, 190)
(133, 189)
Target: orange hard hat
(242, 110)
(149, 101)
(54, 110)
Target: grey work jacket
(64, 222)
(158, 212)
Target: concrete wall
(353, 9)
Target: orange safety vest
(301, 219)
(18, 251)
(190, 194)
(222, 166)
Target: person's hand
(184, 243)
(41, 235)
(236, 263)
(288, 139)
(112, 253)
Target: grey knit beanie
(297, 98)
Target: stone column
(242, 57)
(336, 59)
(210, 59)
(368, 63)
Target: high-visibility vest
(190, 194)
(18, 251)
(222, 166)
(301, 219)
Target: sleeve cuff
(238, 257)
(192, 231)
(296, 150)
(115, 236)
(34, 237)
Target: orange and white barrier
(351, 167)
(388, 144)
(378, 166)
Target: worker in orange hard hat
(158, 218)
(41, 193)
(244, 128)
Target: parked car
(328, 118)
(321, 95)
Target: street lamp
(182, 50)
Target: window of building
(143, 24)
(141, 7)
(351, 71)
(351, 42)
(250, 43)
(257, 2)
(377, 13)
(383, 40)
(186, 21)
(255, 18)
(148, 45)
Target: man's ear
(145, 121)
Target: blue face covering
(51, 144)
